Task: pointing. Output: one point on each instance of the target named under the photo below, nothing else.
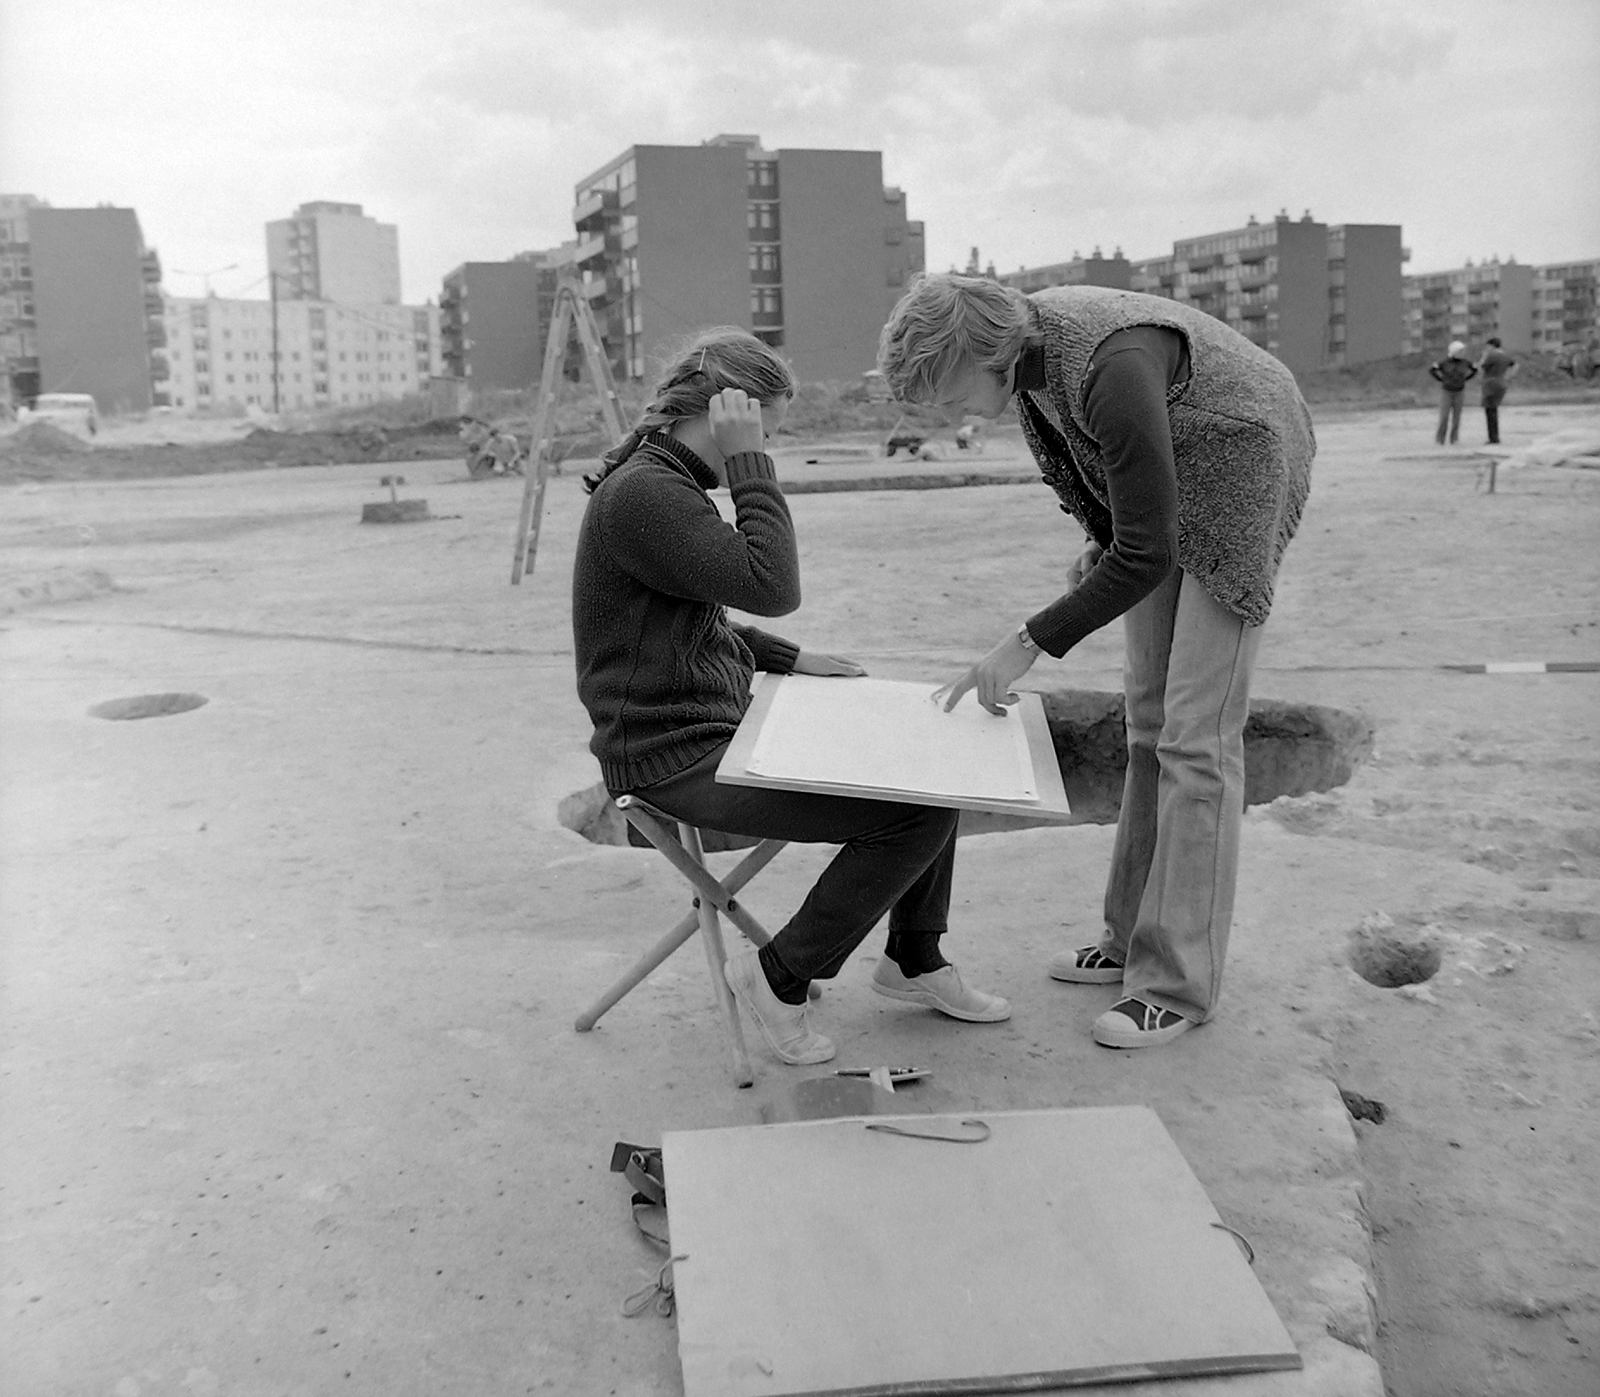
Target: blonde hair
(695, 372)
(945, 324)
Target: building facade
(1470, 303)
(1564, 307)
(19, 341)
(334, 252)
(220, 353)
(1547, 310)
(80, 306)
(1114, 271)
(805, 248)
(494, 318)
(1316, 296)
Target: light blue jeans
(1169, 900)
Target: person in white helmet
(1452, 372)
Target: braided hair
(723, 357)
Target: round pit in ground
(147, 706)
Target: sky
(1031, 129)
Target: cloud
(1028, 126)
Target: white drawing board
(888, 738)
(1070, 1248)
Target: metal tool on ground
(394, 510)
(569, 312)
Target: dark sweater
(1453, 373)
(1125, 400)
(663, 672)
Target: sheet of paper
(889, 735)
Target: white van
(75, 412)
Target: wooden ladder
(571, 310)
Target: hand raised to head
(736, 422)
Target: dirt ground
(1479, 1179)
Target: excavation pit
(147, 706)
(1390, 956)
(1290, 749)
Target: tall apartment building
(1114, 271)
(1366, 312)
(1470, 303)
(1564, 306)
(805, 248)
(220, 353)
(19, 342)
(1313, 295)
(334, 252)
(494, 318)
(80, 306)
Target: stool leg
(716, 956)
(641, 971)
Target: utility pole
(272, 282)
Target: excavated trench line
(1290, 749)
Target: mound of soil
(44, 439)
(25, 457)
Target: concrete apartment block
(334, 252)
(1114, 271)
(19, 340)
(1366, 313)
(490, 323)
(221, 353)
(1314, 295)
(833, 243)
(1564, 306)
(1301, 284)
(805, 248)
(1470, 303)
(92, 326)
(905, 240)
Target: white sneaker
(1088, 966)
(782, 1025)
(939, 989)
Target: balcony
(591, 213)
(593, 251)
(600, 291)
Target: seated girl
(666, 678)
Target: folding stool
(712, 897)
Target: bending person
(666, 678)
(1185, 452)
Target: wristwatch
(1028, 642)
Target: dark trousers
(896, 858)
(1491, 412)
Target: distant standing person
(1453, 372)
(1496, 366)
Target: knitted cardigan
(1241, 437)
(663, 672)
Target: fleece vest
(1241, 437)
